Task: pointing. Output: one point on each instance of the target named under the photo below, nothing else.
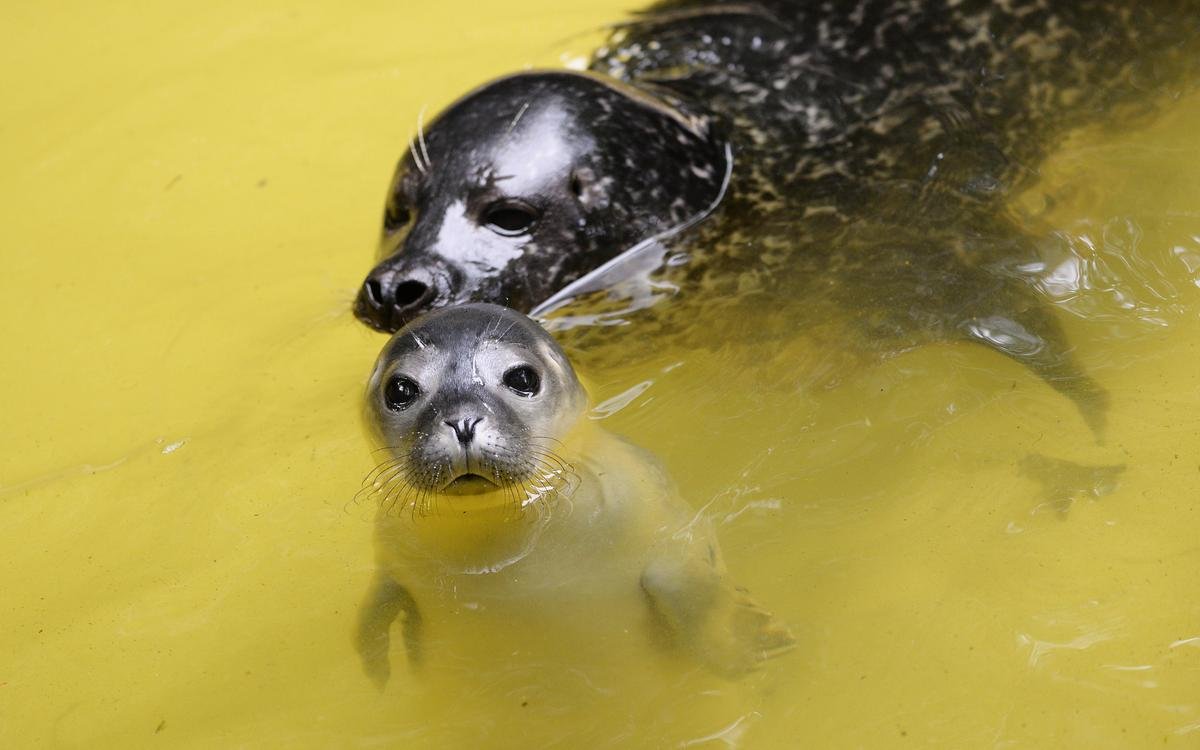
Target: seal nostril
(409, 293)
(373, 293)
(464, 429)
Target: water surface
(193, 196)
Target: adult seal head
(528, 183)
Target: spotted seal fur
(529, 183)
(873, 145)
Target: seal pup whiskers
(499, 489)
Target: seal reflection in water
(499, 488)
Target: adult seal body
(498, 493)
(860, 156)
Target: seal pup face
(472, 399)
(528, 183)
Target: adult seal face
(497, 493)
(530, 182)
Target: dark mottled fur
(875, 90)
(874, 143)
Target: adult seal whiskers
(499, 491)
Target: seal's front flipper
(707, 615)
(1034, 338)
(385, 601)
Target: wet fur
(621, 533)
(875, 144)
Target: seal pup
(499, 490)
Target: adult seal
(853, 157)
(498, 493)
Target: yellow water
(192, 195)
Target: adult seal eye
(395, 217)
(510, 218)
(400, 392)
(523, 380)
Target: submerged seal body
(858, 154)
(499, 493)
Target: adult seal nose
(391, 297)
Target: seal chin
(470, 484)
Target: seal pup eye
(523, 380)
(510, 218)
(400, 392)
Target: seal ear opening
(587, 189)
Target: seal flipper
(1035, 339)
(1064, 482)
(917, 282)
(385, 601)
(706, 614)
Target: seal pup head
(528, 183)
(468, 400)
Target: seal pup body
(500, 494)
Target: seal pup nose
(464, 429)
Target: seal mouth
(470, 484)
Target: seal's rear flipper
(707, 615)
(1037, 341)
(1063, 482)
